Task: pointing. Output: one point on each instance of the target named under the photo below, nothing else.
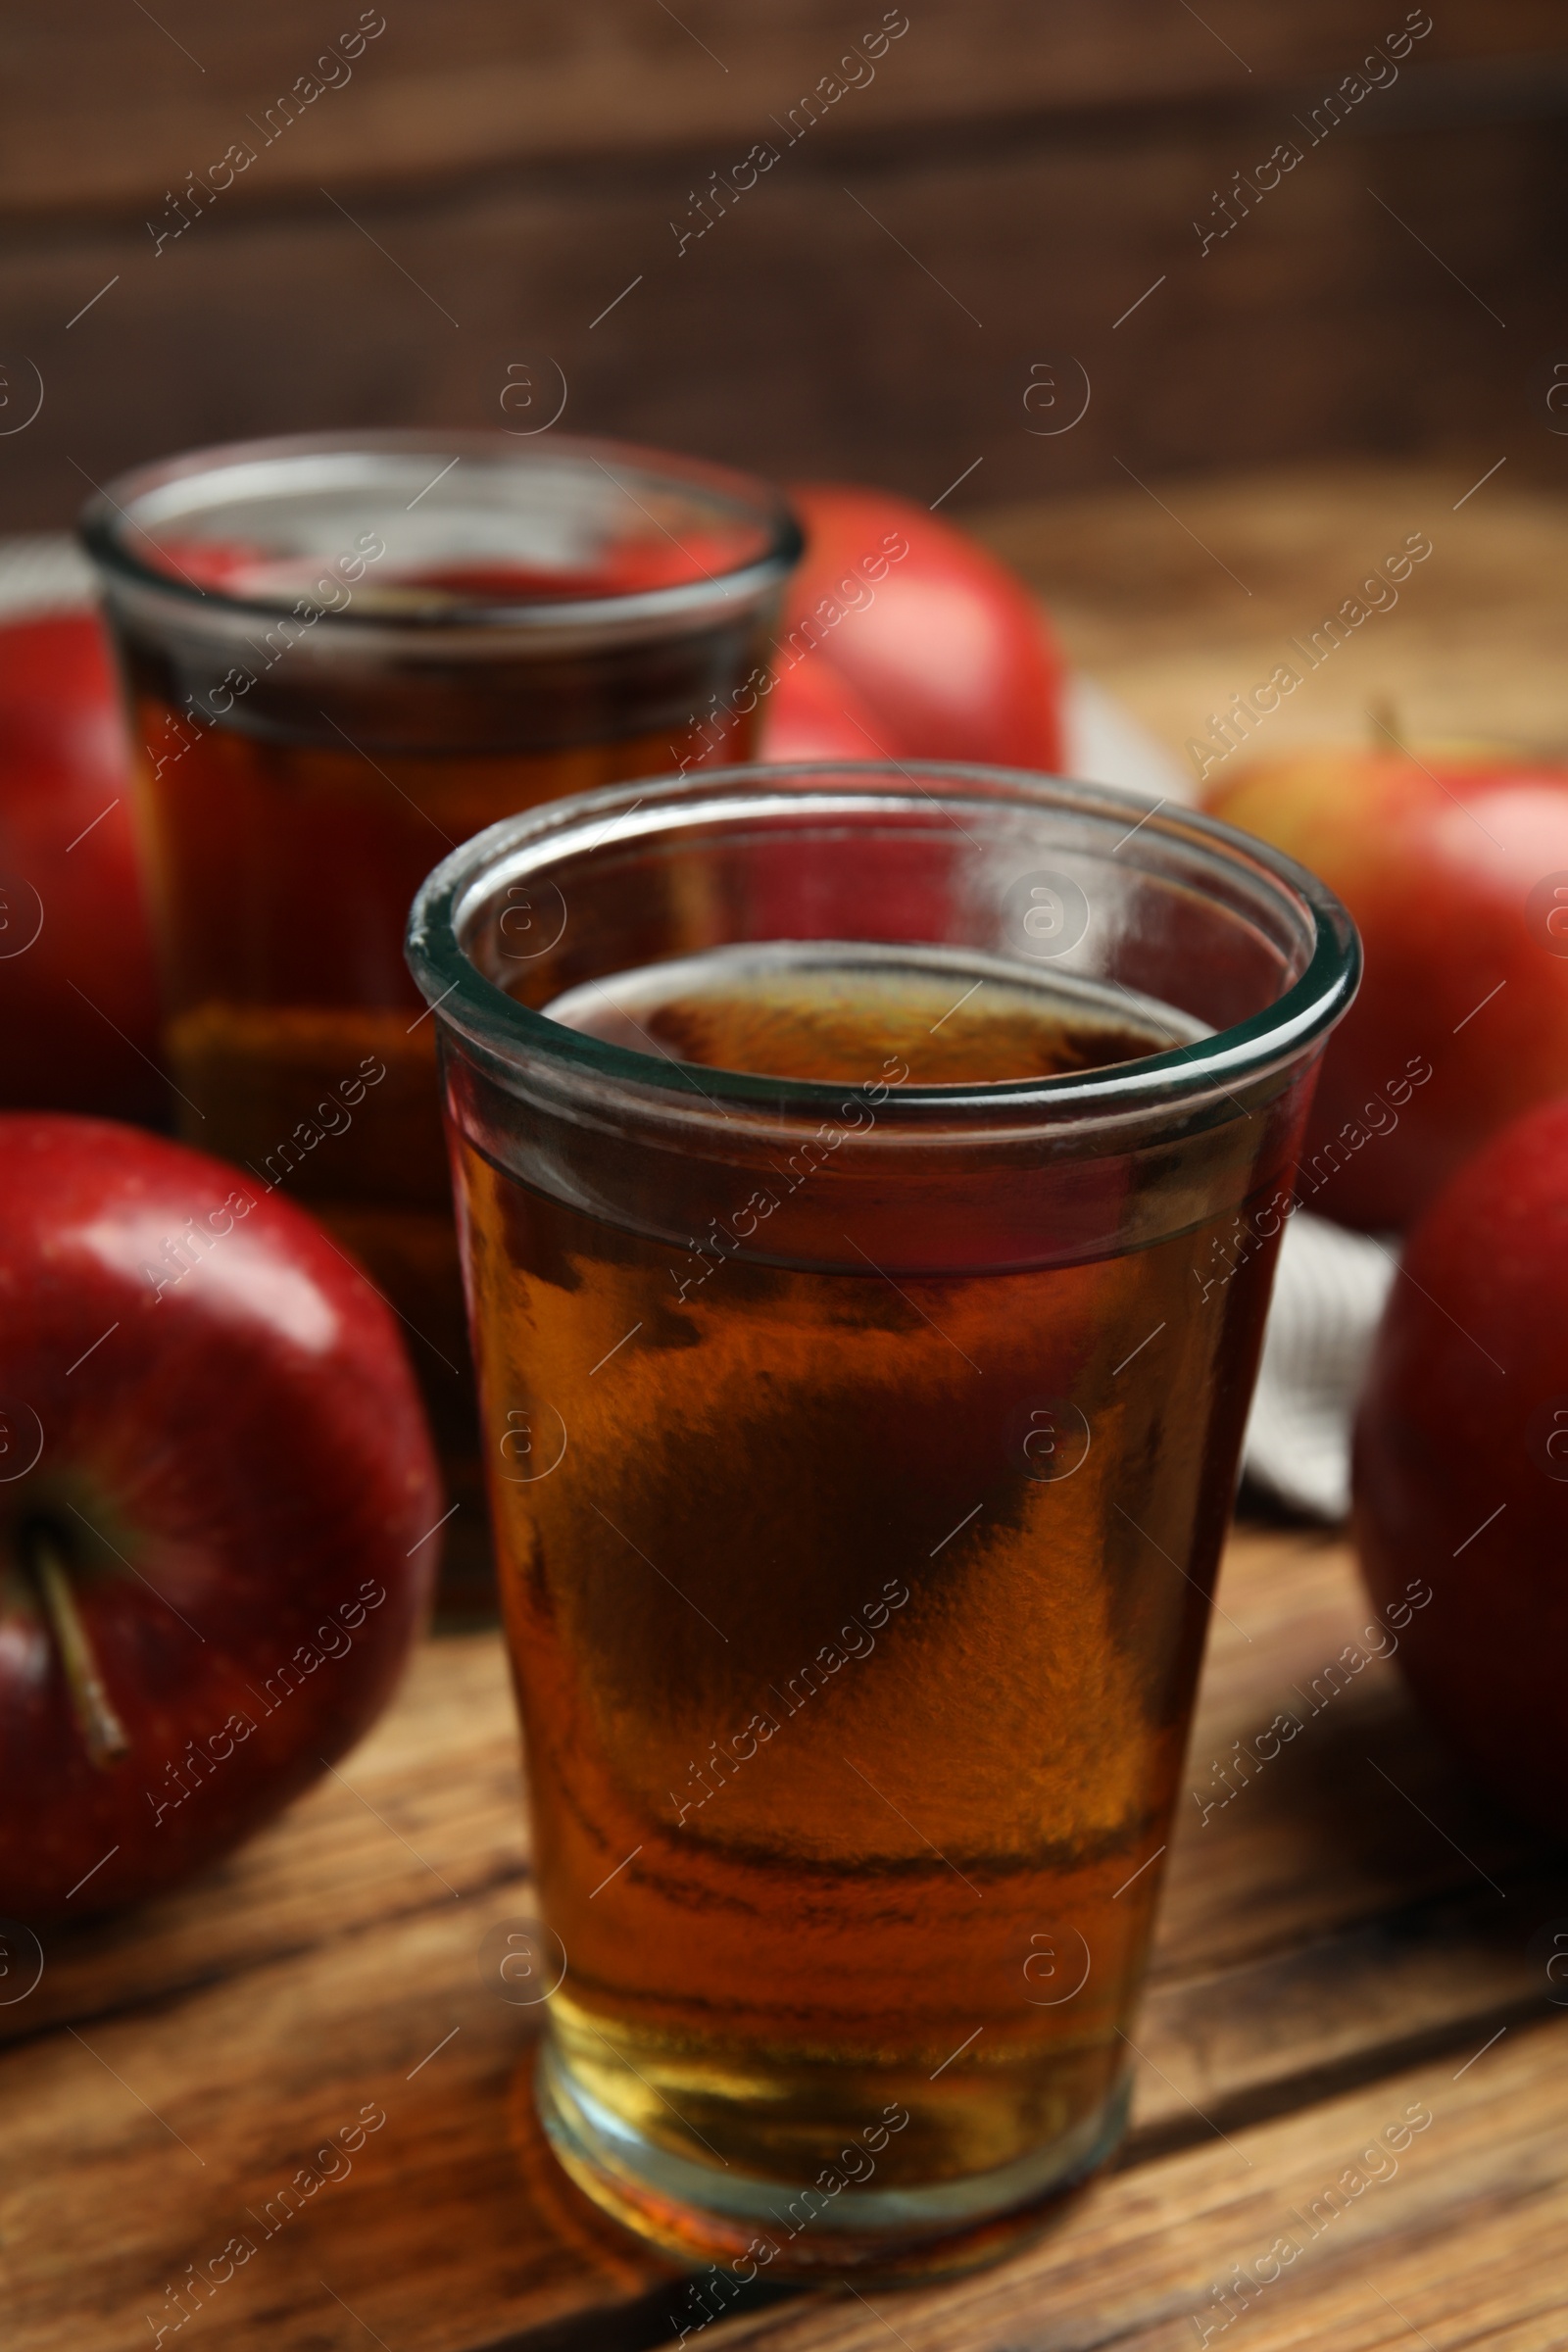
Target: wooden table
(1182, 594)
(1354, 1933)
(1346, 1938)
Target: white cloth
(45, 574)
(1104, 744)
(1329, 1293)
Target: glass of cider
(869, 1182)
(345, 654)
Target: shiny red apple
(217, 1497)
(78, 1000)
(943, 647)
(814, 713)
(1455, 870)
(1462, 1463)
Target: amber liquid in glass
(284, 845)
(855, 1616)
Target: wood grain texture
(1015, 180)
(878, 322)
(452, 89)
(1178, 606)
(1319, 1933)
(1461, 2245)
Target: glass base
(780, 2232)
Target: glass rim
(109, 517)
(514, 1036)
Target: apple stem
(101, 1727)
(1384, 714)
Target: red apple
(814, 713)
(942, 644)
(1462, 1463)
(216, 1483)
(78, 1000)
(1451, 867)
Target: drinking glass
(869, 1180)
(344, 652)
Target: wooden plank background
(489, 176)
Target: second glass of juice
(345, 654)
(869, 1204)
